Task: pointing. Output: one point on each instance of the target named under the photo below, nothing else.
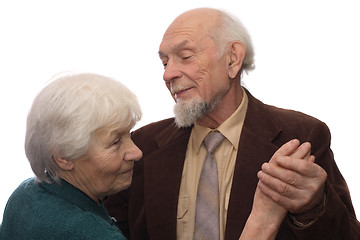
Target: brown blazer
(148, 209)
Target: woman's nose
(134, 153)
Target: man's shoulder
(289, 123)
(296, 124)
(161, 129)
(289, 117)
(158, 134)
(279, 114)
(156, 127)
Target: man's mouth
(178, 92)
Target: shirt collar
(230, 128)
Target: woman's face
(107, 167)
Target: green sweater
(55, 211)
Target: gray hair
(231, 29)
(66, 113)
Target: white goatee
(188, 112)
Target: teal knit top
(55, 211)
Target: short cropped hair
(65, 115)
(231, 29)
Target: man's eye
(186, 57)
(117, 141)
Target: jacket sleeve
(337, 218)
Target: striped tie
(207, 202)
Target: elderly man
(204, 53)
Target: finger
(282, 200)
(273, 195)
(304, 168)
(302, 152)
(286, 150)
(311, 159)
(279, 179)
(294, 203)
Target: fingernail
(265, 166)
(261, 175)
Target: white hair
(231, 29)
(67, 112)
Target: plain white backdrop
(307, 59)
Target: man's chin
(188, 112)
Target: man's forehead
(182, 38)
(177, 44)
(174, 45)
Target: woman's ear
(237, 56)
(64, 164)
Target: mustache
(175, 88)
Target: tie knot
(212, 141)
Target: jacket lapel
(255, 148)
(162, 189)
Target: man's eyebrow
(176, 47)
(181, 45)
(161, 54)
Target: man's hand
(292, 179)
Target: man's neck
(225, 108)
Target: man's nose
(172, 71)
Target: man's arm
(315, 194)
(266, 215)
(296, 185)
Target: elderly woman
(79, 147)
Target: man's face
(194, 71)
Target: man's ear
(64, 164)
(237, 53)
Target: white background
(307, 59)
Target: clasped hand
(290, 182)
(292, 179)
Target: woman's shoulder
(24, 193)
(90, 226)
(35, 213)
